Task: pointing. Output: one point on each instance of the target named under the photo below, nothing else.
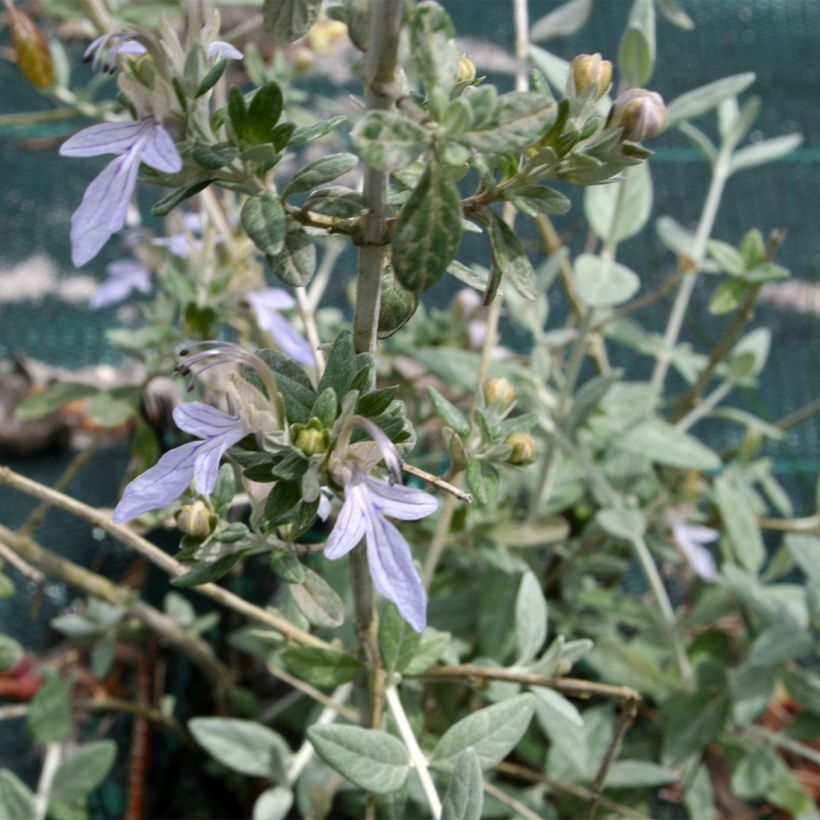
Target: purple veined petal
(398, 501)
(104, 138)
(92, 46)
(116, 288)
(125, 268)
(391, 567)
(208, 456)
(350, 525)
(390, 454)
(160, 152)
(160, 485)
(131, 47)
(699, 533)
(288, 340)
(220, 50)
(270, 299)
(700, 559)
(102, 211)
(203, 421)
(178, 244)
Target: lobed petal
(350, 525)
(118, 286)
(202, 420)
(209, 454)
(162, 484)
(398, 501)
(105, 138)
(288, 340)
(220, 50)
(700, 559)
(391, 567)
(160, 152)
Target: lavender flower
(102, 52)
(124, 276)
(197, 460)
(690, 538)
(182, 243)
(105, 203)
(368, 502)
(220, 50)
(267, 305)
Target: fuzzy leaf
(464, 799)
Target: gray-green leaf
(388, 141)
(16, 799)
(273, 804)
(630, 200)
(510, 256)
(694, 103)
(318, 601)
(263, 219)
(289, 20)
(297, 261)
(464, 799)
(603, 282)
(322, 170)
(82, 771)
(530, 618)
(519, 119)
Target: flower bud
(466, 303)
(311, 441)
(31, 49)
(498, 392)
(523, 449)
(590, 70)
(640, 113)
(195, 519)
(466, 70)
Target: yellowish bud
(590, 70)
(301, 57)
(523, 448)
(466, 69)
(311, 441)
(498, 392)
(195, 519)
(31, 48)
(640, 113)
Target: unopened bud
(523, 448)
(301, 57)
(590, 70)
(466, 303)
(466, 70)
(31, 48)
(195, 519)
(498, 392)
(640, 113)
(312, 441)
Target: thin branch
(572, 686)
(439, 539)
(156, 556)
(801, 414)
(23, 567)
(309, 321)
(127, 706)
(438, 483)
(335, 704)
(54, 753)
(516, 805)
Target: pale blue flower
(197, 461)
(105, 203)
(124, 276)
(189, 239)
(102, 52)
(691, 538)
(267, 305)
(220, 50)
(368, 501)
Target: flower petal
(220, 50)
(392, 570)
(105, 138)
(160, 152)
(103, 209)
(700, 559)
(116, 288)
(202, 420)
(398, 501)
(270, 299)
(696, 532)
(160, 485)
(350, 525)
(288, 340)
(209, 454)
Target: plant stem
(720, 174)
(417, 758)
(50, 765)
(516, 805)
(336, 705)
(783, 742)
(309, 321)
(439, 539)
(706, 406)
(156, 556)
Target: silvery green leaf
(630, 206)
(535, 200)
(338, 201)
(547, 664)
(726, 297)
(673, 12)
(458, 117)
(604, 283)
(661, 443)
(805, 550)
(766, 272)
(778, 644)
(636, 52)
(432, 646)
(471, 276)
(561, 22)
(263, 219)
(742, 530)
(273, 804)
(318, 601)
(638, 774)
(16, 799)
(49, 714)
(433, 45)
(83, 770)
(519, 120)
(388, 141)
(371, 759)
(242, 745)
(699, 140)
(530, 618)
(754, 347)
(397, 305)
(674, 236)
(732, 133)
(289, 20)
(482, 101)
(555, 69)
(492, 732)
(588, 399)
(398, 641)
(509, 255)
(765, 151)
(322, 170)
(322, 667)
(752, 691)
(309, 133)
(214, 156)
(697, 102)
(628, 524)
(483, 480)
(448, 412)
(428, 231)
(297, 261)
(11, 652)
(564, 726)
(753, 776)
(727, 257)
(464, 799)
(699, 796)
